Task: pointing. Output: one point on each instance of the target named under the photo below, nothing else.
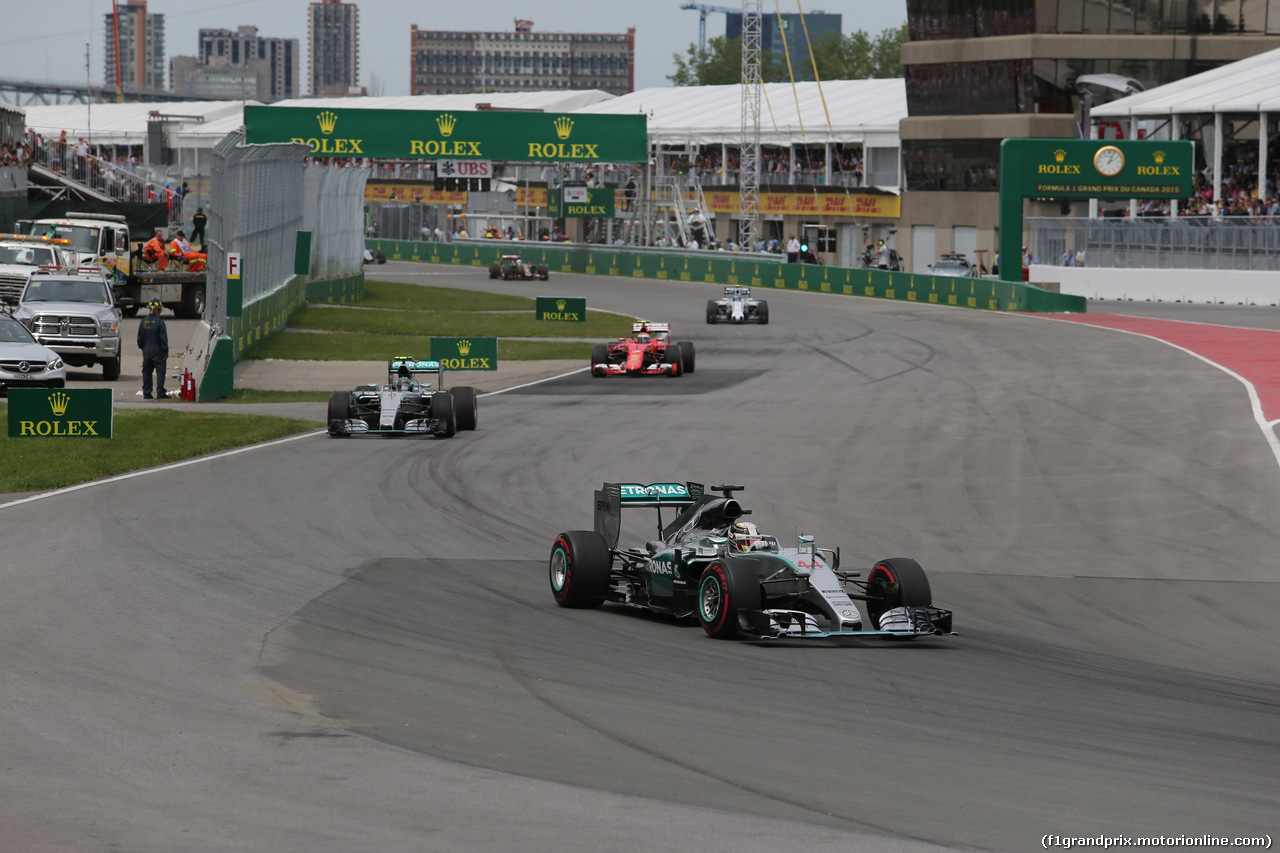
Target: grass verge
(296, 346)
(262, 395)
(400, 318)
(143, 438)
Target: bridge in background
(23, 93)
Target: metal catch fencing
(1188, 242)
(261, 197)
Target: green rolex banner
(580, 201)
(453, 134)
(62, 412)
(561, 309)
(470, 353)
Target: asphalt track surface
(337, 645)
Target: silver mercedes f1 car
(405, 405)
(710, 562)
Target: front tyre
(896, 582)
(464, 406)
(673, 355)
(686, 356)
(762, 311)
(599, 355)
(713, 313)
(579, 569)
(495, 270)
(339, 410)
(111, 369)
(543, 272)
(442, 410)
(726, 590)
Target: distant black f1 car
(512, 267)
(403, 406)
(737, 306)
(711, 563)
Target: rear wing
(612, 497)
(651, 328)
(415, 366)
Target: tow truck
(102, 240)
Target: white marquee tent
(1248, 89)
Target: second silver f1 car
(711, 563)
(737, 306)
(405, 405)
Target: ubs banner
(455, 135)
(63, 412)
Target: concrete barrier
(1216, 287)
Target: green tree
(719, 63)
(856, 56)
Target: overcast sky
(46, 41)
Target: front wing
(657, 368)
(904, 622)
(417, 428)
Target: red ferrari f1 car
(648, 352)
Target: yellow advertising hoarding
(811, 204)
(420, 191)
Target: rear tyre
(896, 582)
(442, 410)
(464, 407)
(674, 355)
(111, 369)
(686, 355)
(599, 355)
(712, 312)
(763, 313)
(580, 566)
(543, 272)
(725, 590)
(339, 410)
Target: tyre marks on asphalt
(1248, 355)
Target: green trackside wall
(266, 316)
(724, 268)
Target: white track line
(226, 453)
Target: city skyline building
(140, 36)
(787, 36)
(333, 45)
(238, 64)
(447, 61)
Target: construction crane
(702, 10)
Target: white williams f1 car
(711, 563)
(737, 306)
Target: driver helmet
(404, 378)
(642, 338)
(743, 536)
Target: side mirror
(125, 302)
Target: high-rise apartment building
(979, 71)
(140, 37)
(333, 40)
(238, 64)
(786, 35)
(447, 62)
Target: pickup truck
(75, 314)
